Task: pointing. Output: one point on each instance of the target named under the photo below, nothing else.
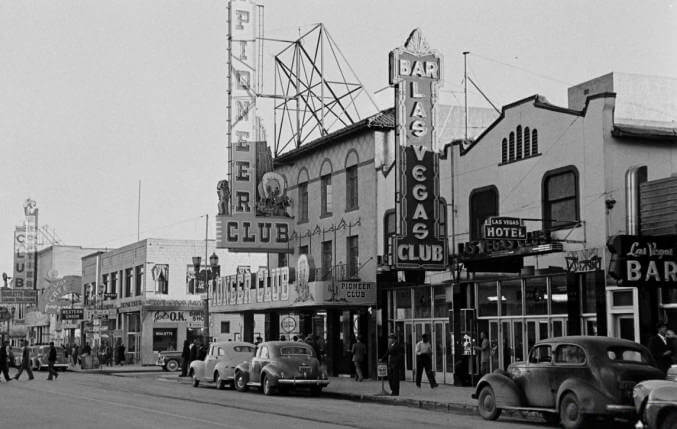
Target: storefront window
(164, 339)
(403, 304)
(486, 299)
(440, 301)
(535, 296)
(669, 295)
(588, 293)
(422, 302)
(559, 297)
(511, 298)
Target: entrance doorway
(440, 338)
(625, 326)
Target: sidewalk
(119, 369)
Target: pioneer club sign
(415, 71)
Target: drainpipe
(633, 178)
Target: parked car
(656, 402)
(40, 355)
(169, 360)
(281, 365)
(219, 365)
(570, 380)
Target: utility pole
(465, 90)
(206, 279)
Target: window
(519, 142)
(161, 278)
(303, 250)
(296, 350)
(128, 282)
(114, 283)
(352, 256)
(483, 203)
(106, 284)
(225, 327)
(511, 298)
(164, 339)
(559, 298)
(389, 229)
(534, 142)
(527, 143)
(303, 202)
(351, 188)
(326, 195)
(626, 354)
(560, 198)
(443, 217)
(263, 353)
(536, 296)
(326, 259)
(504, 151)
(220, 352)
(511, 150)
(540, 354)
(281, 259)
(139, 280)
(569, 354)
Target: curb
(454, 407)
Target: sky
(96, 97)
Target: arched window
(527, 143)
(352, 200)
(483, 203)
(560, 198)
(511, 152)
(534, 142)
(504, 151)
(519, 142)
(326, 189)
(303, 196)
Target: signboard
(381, 370)
(357, 290)
(5, 314)
(73, 314)
(51, 300)
(18, 296)
(499, 228)
(253, 205)
(110, 295)
(644, 260)
(22, 262)
(534, 242)
(25, 248)
(415, 71)
(194, 318)
(288, 324)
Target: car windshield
(295, 350)
(627, 354)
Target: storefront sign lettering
(488, 247)
(644, 260)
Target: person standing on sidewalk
(395, 356)
(25, 362)
(51, 360)
(359, 352)
(185, 358)
(424, 361)
(484, 349)
(4, 360)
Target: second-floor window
(326, 259)
(352, 256)
(560, 198)
(128, 282)
(161, 278)
(351, 188)
(281, 259)
(483, 204)
(303, 202)
(326, 195)
(303, 250)
(114, 283)
(106, 285)
(138, 280)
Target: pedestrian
(424, 361)
(25, 362)
(51, 360)
(359, 351)
(672, 341)
(120, 354)
(194, 350)
(660, 348)
(185, 356)
(395, 356)
(484, 349)
(4, 360)
(75, 354)
(258, 341)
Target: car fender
(226, 369)
(272, 372)
(242, 367)
(591, 398)
(198, 369)
(507, 393)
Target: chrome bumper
(613, 408)
(303, 382)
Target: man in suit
(4, 360)
(395, 356)
(51, 360)
(185, 357)
(660, 348)
(25, 362)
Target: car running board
(253, 384)
(538, 409)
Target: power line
(542, 76)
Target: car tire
(172, 365)
(551, 419)
(570, 414)
(196, 381)
(267, 386)
(240, 382)
(316, 390)
(486, 404)
(669, 421)
(220, 383)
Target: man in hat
(660, 348)
(424, 361)
(395, 356)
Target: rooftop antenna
(465, 91)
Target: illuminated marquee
(415, 70)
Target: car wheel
(240, 382)
(172, 365)
(570, 414)
(220, 383)
(196, 381)
(486, 404)
(669, 421)
(267, 386)
(316, 390)
(551, 419)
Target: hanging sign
(644, 260)
(415, 71)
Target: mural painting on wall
(305, 273)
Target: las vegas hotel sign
(415, 71)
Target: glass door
(438, 351)
(408, 352)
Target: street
(77, 400)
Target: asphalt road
(77, 400)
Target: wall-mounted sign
(18, 296)
(499, 228)
(288, 324)
(415, 71)
(59, 293)
(535, 242)
(584, 260)
(349, 291)
(110, 295)
(644, 260)
(72, 313)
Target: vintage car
(40, 354)
(169, 360)
(281, 365)
(656, 402)
(219, 365)
(570, 380)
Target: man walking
(51, 360)
(4, 360)
(660, 348)
(25, 362)
(424, 361)
(359, 352)
(484, 349)
(395, 355)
